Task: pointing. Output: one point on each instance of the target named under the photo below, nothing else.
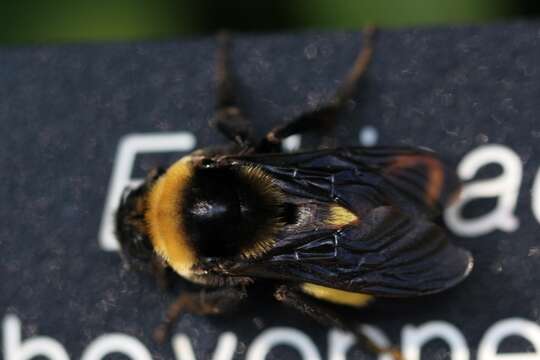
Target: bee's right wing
(388, 254)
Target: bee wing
(389, 254)
(411, 179)
(394, 249)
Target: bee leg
(324, 117)
(228, 117)
(160, 270)
(201, 303)
(325, 316)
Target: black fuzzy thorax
(225, 212)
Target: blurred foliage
(39, 21)
(72, 20)
(400, 13)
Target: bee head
(131, 227)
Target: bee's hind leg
(228, 117)
(324, 117)
(202, 303)
(325, 316)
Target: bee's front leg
(324, 117)
(229, 118)
(202, 303)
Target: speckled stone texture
(63, 110)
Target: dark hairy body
(340, 225)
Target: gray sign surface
(80, 121)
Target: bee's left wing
(388, 254)
(412, 179)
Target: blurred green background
(46, 21)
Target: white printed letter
(340, 342)
(40, 346)
(535, 194)
(224, 350)
(509, 327)
(505, 187)
(116, 343)
(262, 345)
(414, 338)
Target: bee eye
(130, 225)
(207, 162)
(125, 194)
(140, 247)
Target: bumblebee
(342, 225)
